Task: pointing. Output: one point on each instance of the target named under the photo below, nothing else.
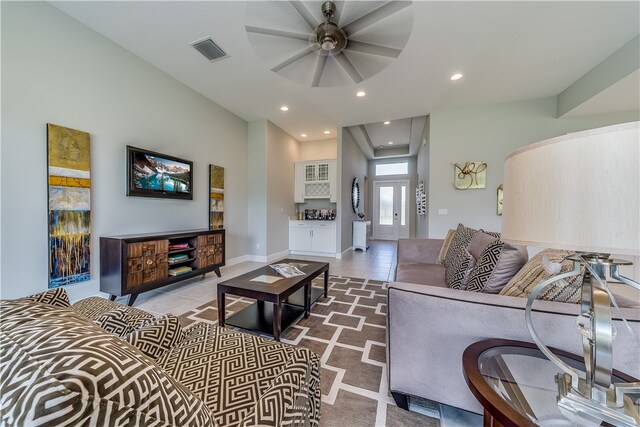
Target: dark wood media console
(132, 264)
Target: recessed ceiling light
(390, 142)
(456, 76)
(387, 122)
(304, 135)
(327, 132)
(361, 93)
(382, 146)
(284, 108)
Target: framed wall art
(69, 183)
(470, 175)
(216, 197)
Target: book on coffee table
(266, 279)
(287, 270)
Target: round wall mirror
(355, 195)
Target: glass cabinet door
(323, 172)
(310, 173)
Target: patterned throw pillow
(485, 267)
(60, 369)
(498, 263)
(56, 297)
(445, 246)
(568, 290)
(120, 322)
(157, 337)
(457, 259)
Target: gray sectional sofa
(429, 325)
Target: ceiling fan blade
(294, 58)
(277, 33)
(348, 67)
(304, 12)
(373, 49)
(322, 60)
(374, 16)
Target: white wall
(55, 70)
(318, 150)
(282, 152)
(422, 167)
(489, 133)
(257, 188)
(353, 164)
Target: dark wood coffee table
(290, 298)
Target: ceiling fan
(342, 44)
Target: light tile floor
(376, 263)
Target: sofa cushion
(445, 245)
(157, 337)
(95, 306)
(423, 274)
(533, 272)
(457, 259)
(58, 368)
(119, 321)
(245, 379)
(497, 264)
(57, 297)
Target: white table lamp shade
(579, 192)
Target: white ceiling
(506, 50)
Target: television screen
(158, 175)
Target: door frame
(399, 230)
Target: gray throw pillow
(498, 263)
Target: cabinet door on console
(218, 249)
(134, 264)
(202, 251)
(146, 262)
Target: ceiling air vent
(209, 49)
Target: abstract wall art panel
(69, 206)
(470, 175)
(216, 197)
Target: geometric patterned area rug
(348, 331)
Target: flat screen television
(151, 174)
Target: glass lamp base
(574, 401)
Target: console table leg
(132, 299)
(217, 271)
(112, 297)
(401, 399)
(326, 283)
(277, 316)
(307, 300)
(221, 309)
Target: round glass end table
(515, 384)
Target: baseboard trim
(340, 254)
(268, 258)
(236, 260)
(319, 254)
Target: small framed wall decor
(421, 199)
(470, 175)
(499, 194)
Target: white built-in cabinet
(312, 237)
(315, 179)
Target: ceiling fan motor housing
(331, 38)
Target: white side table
(361, 232)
